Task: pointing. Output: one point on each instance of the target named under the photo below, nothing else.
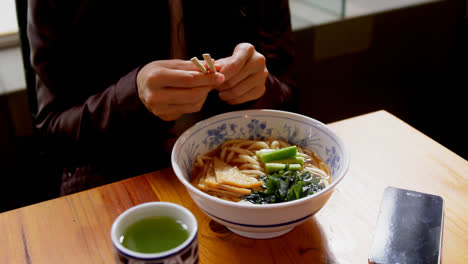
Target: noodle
(241, 151)
(258, 145)
(230, 156)
(253, 172)
(240, 155)
(249, 159)
(247, 166)
(274, 145)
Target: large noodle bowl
(235, 171)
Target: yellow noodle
(259, 145)
(275, 145)
(253, 172)
(239, 160)
(317, 171)
(244, 144)
(325, 168)
(230, 156)
(199, 160)
(222, 155)
(284, 144)
(303, 155)
(325, 183)
(241, 151)
(250, 166)
(249, 159)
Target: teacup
(186, 252)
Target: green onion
(274, 167)
(293, 160)
(279, 154)
(262, 151)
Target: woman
(115, 86)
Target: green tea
(154, 234)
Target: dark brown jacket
(86, 55)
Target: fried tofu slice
(218, 192)
(210, 181)
(229, 175)
(207, 183)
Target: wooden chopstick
(197, 63)
(208, 60)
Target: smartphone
(409, 228)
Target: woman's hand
(245, 73)
(171, 88)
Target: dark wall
(414, 65)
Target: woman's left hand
(245, 73)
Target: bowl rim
(178, 172)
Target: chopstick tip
(197, 63)
(209, 62)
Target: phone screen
(409, 228)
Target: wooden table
(384, 151)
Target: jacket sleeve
(67, 109)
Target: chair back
(22, 16)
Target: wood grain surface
(384, 152)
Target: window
(8, 23)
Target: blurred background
(408, 57)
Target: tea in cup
(156, 232)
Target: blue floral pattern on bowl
(300, 130)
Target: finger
(190, 108)
(250, 69)
(234, 64)
(180, 109)
(242, 87)
(175, 64)
(252, 94)
(207, 67)
(187, 79)
(172, 95)
(169, 117)
(219, 64)
(228, 84)
(256, 64)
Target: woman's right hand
(171, 88)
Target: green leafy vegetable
(285, 185)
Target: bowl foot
(261, 235)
